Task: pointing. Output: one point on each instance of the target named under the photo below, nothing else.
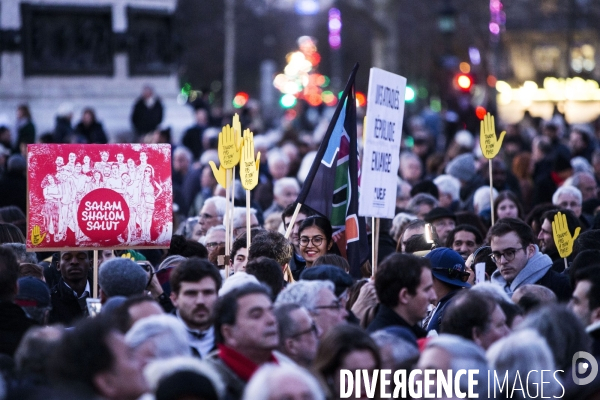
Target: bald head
(529, 297)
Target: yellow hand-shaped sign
(237, 127)
(219, 173)
(36, 237)
(562, 237)
(249, 167)
(490, 144)
(229, 148)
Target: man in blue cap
(449, 277)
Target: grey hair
(399, 223)
(157, 370)
(566, 189)
(183, 150)
(21, 252)
(419, 199)
(209, 154)
(282, 183)
(449, 185)
(401, 349)
(492, 290)
(521, 352)
(407, 155)
(167, 334)
(576, 179)
(239, 216)
(35, 347)
(277, 155)
(271, 375)
(581, 164)
(220, 204)
(171, 261)
(465, 354)
(481, 198)
(122, 277)
(286, 324)
(215, 228)
(303, 293)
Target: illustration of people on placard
(71, 164)
(131, 169)
(114, 181)
(100, 165)
(52, 194)
(68, 205)
(132, 198)
(121, 163)
(60, 163)
(79, 172)
(147, 199)
(97, 181)
(86, 167)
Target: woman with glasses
(315, 238)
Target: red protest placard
(91, 196)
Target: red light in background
(240, 99)
(480, 112)
(361, 99)
(464, 82)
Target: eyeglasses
(455, 272)
(315, 240)
(312, 329)
(335, 306)
(254, 226)
(509, 254)
(213, 245)
(567, 204)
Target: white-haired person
(283, 382)
(211, 214)
(449, 191)
(568, 197)
(318, 297)
(158, 337)
(521, 357)
(285, 192)
(183, 377)
(454, 353)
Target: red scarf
(241, 365)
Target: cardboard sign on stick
(89, 196)
(562, 237)
(382, 135)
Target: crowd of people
(463, 280)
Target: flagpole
(375, 247)
(95, 289)
(491, 193)
(292, 221)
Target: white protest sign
(383, 134)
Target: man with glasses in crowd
(319, 298)
(298, 334)
(211, 214)
(520, 262)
